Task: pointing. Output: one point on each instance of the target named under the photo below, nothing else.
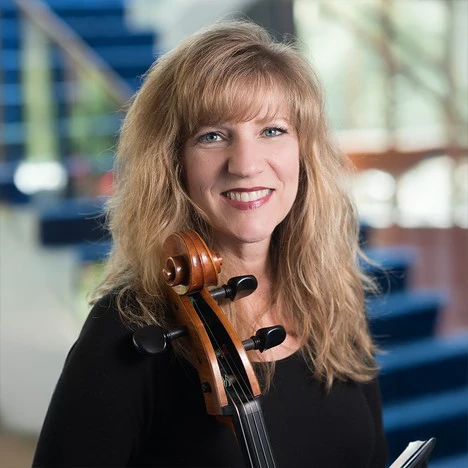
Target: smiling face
(244, 175)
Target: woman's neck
(241, 258)
(253, 259)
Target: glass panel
(396, 80)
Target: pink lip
(251, 205)
(251, 189)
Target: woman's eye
(273, 131)
(210, 137)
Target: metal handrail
(71, 45)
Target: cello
(230, 388)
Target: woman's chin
(234, 237)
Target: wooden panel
(441, 263)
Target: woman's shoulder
(104, 320)
(106, 395)
(106, 338)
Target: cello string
(253, 400)
(259, 413)
(249, 396)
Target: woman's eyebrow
(272, 117)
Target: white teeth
(248, 196)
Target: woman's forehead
(244, 106)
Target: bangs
(239, 98)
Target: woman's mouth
(247, 199)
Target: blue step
(91, 252)
(93, 29)
(9, 193)
(8, 7)
(127, 55)
(13, 113)
(14, 99)
(390, 267)
(135, 81)
(444, 416)
(108, 30)
(456, 461)
(12, 153)
(73, 222)
(404, 316)
(424, 367)
(11, 32)
(10, 64)
(117, 57)
(130, 72)
(65, 8)
(13, 133)
(8, 10)
(13, 93)
(11, 75)
(85, 4)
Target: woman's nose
(246, 158)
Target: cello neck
(251, 434)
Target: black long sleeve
(114, 407)
(101, 410)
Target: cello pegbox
(189, 264)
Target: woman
(227, 136)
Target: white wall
(38, 323)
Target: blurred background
(396, 79)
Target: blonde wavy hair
(221, 74)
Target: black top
(113, 407)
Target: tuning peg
(265, 338)
(152, 340)
(236, 288)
